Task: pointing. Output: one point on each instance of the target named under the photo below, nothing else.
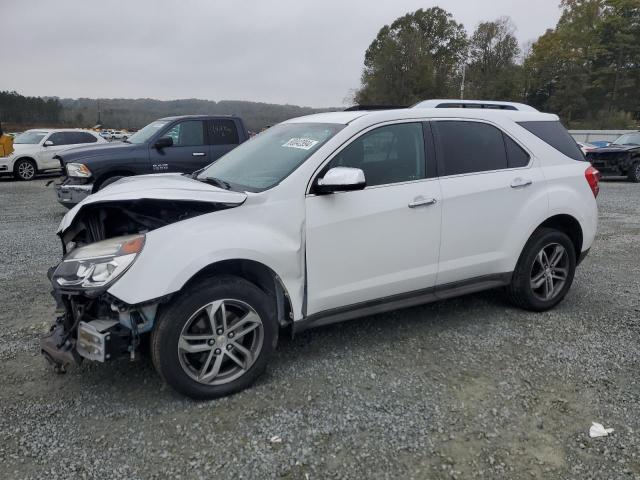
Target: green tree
(492, 71)
(417, 57)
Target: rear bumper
(70, 195)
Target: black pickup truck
(173, 144)
(622, 157)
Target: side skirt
(403, 300)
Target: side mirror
(164, 142)
(48, 143)
(340, 179)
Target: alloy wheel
(220, 342)
(549, 271)
(26, 170)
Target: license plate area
(94, 339)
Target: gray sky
(282, 51)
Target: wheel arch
(257, 273)
(569, 225)
(24, 157)
(106, 176)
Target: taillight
(593, 179)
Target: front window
(628, 139)
(268, 158)
(29, 138)
(144, 134)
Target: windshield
(144, 134)
(267, 159)
(30, 138)
(628, 139)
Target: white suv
(34, 150)
(317, 220)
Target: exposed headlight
(78, 170)
(98, 264)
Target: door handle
(520, 182)
(198, 154)
(420, 202)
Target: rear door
(223, 137)
(189, 151)
(492, 188)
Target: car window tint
(554, 134)
(390, 154)
(468, 147)
(516, 156)
(187, 134)
(223, 132)
(61, 138)
(81, 137)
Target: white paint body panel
(342, 249)
(351, 259)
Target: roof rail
(488, 104)
(356, 108)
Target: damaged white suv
(320, 219)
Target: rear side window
(554, 134)
(516, 156)
(223, 132)
(81, 137)
(467, 147)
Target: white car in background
(118, 135)
(34, 150)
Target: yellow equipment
(6, 145)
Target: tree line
(586, 69)
(18, 109)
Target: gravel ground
(466, 388)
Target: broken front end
(99, 246)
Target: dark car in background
(181, 144)
(622, 157)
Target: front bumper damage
(70, 194)
(94, 326)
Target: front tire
(216, 338)
(25, 169)
(544, 272)
(634, 173)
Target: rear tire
(25, 169)
(544, 272)
(216, 338)
(634, 173)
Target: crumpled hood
(161, 186)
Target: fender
(173, 254)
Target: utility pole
(98, 111)
(464, 69)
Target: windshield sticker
(158, 124)
(301, 143)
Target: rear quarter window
(554, 134)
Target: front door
(381, 241)
(188, 153)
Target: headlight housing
(98, 264)
(78, 170)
